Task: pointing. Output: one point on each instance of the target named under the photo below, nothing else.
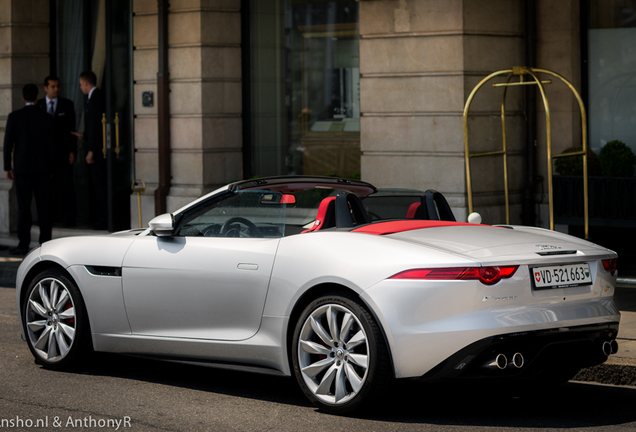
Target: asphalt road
(145, 395)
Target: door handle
(104, 132)
(247, 266)
(116, 134)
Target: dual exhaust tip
(501, 361)
(609, 347)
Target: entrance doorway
(97, 36)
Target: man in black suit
(63, 112)
(29, 137)
(93, 135)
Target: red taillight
(486, 275)
(610, 265)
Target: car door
(210, 280)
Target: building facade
(371, 89)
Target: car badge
(547, 247)
(495, 298)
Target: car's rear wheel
(55, 320)
(339, 355)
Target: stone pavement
(620, 369)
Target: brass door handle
(117, 134)
(104, 132)
(117, 150)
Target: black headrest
(349, 211)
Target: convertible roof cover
(289, 184)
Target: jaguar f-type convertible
(344, 286)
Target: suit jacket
(64, 122)
(29, 135)
(93, 129)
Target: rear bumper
(426, 323)
(569, 348)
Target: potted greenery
(573, 165)
(617, 160)
(611, 187)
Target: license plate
(564, 276)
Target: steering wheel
(252, 229)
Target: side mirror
(474, 218)
(162, 225)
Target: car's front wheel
(55, 320)
(339, 355)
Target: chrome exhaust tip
(517, 360)
(607, 348)
(614, 346)
(501, 361)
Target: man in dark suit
(29, 137)
(63, 112)
(93, 135)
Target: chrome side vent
(103, 271)
(558, 252)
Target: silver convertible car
(330, 280)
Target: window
(304, 88)
(241, 214)
(612, 72)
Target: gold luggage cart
(521, 71)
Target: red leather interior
(410, 214)
(326, 205)
(288, 199)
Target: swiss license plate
(564, 276)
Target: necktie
(51, 110)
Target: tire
(339, 356)
(55, 321)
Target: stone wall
(24, 59)
(205, 98)
(559, 50)
(419, 61)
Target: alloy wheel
(51, 320)
(333, 354)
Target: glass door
(304, 88)
(97, 36)
(119, 115)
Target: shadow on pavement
(573, 405)
(625, 299)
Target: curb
(616, 371)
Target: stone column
(559, 50)
(24, 59)
(205, 99)
(419, 61)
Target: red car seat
(326, 217)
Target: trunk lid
(496, 245)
